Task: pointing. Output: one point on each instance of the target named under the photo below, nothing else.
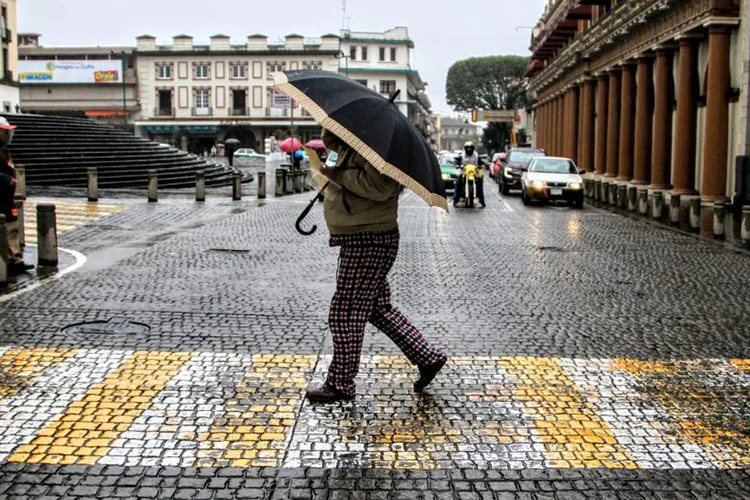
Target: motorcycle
(470, 182)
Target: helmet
(469, 148)
(6, 131)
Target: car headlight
(446, 177)
(507, 172)
(575, 185)
(538, 184)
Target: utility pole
(343, 19)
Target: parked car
(552, 179)
(248, 153)
(516, 164)
(448, 170)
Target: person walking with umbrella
(361, 212)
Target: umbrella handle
(306, 211)
(395, 95)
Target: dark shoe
(484, 206)
(427, 373)
(19, 267)
(326, 394)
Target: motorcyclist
(480, 184)
(469, 157)
(8, 185)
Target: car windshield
(447, 161)
(523, 156)
(553, 166)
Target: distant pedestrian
(361, 213)
(8, 185)
(213, 151)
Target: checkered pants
(363, 294)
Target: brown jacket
(362, 198)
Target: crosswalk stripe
(25, 413)
(69, 216)
(18, 367)
(87, 429)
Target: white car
(549, 178)
(248, 153)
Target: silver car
(551, 179)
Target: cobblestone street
(591, 356)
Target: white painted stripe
(34, 407)
(168, 433)
(80, 260)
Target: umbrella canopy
(236, 142)
(372, 125)
(316, 144)
(286, 145)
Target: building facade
(78, 81)
(382, 62)
(645, 94)
(194, 96)
(454, 133)
(9, 93)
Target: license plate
(555, 192)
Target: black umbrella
(372, 125)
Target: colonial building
(194, 96)
(455, 132)
(9, 95)
(77, 81)
(382, 61)
(642, 93)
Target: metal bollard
(297, 179)
(643, 201)
(93, 186)
(745, 229)
(21, 181)
(695, 214)
(622, 196)
(674, 209)
(21, 217)
(632, 198)
(46, 234)
(288, 182)
(261, 185)
(237, 186)
(153, 186)
(720, 213)
(597, 190)
(280, 180)
(200, 186)
(658, 205)
(4, 263)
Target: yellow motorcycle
(470, 182)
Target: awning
(102, 114)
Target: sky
(443, 31)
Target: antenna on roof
(343, 19)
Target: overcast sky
(443, 31)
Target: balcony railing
(7, 35)
(7, 76)
(277, 112)
(202, 111)
(164, 111)
(239, 112)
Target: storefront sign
(35, 72)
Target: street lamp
(123, 57)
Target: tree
(494, 82)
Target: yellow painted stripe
(256, 424)
(568, 425)
(87, 429)
(18, 367)
(676, 385)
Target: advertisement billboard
(46, 72)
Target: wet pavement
(592, 355)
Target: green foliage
(494, 82)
